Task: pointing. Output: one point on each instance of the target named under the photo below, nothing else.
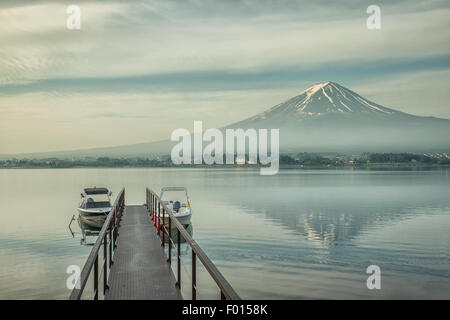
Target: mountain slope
(330, 117)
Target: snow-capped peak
(324, 98)
(313, 89)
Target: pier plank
(140, 270)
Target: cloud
(185, 60)
(132, 39)
(422, 93)
(219, 80)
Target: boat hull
(184, 219)
(94, 217)
(93, 221)
(94, 212)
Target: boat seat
(176, 206)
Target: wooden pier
(128, 260)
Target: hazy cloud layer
(170, 62)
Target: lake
(301, 234)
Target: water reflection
(87, 232)
(326, 223)
(184, 247)
(334, 208)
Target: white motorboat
(95, 206)
(181, 208)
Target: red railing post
(158, 225)
(163, 228)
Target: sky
(137, 70)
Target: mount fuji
(325, 117)
(322, 99)
(330, 117)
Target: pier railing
(160, 214)
(107, 238)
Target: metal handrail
(154, 205)
(110, 227)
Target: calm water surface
(297, 235)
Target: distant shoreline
(286, 161)
(374, 166)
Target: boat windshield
(174, 194)
(98, 204)
(97, 201)
(171, 197)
